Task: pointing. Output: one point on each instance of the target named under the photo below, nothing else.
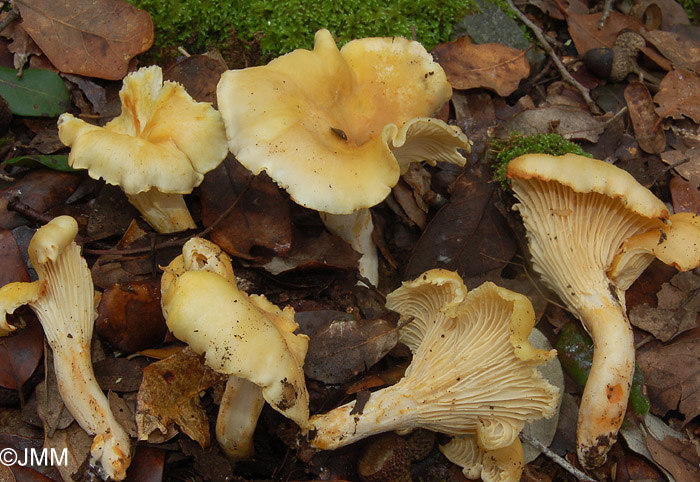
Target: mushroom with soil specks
(473, 371)
(63, 300)
(592, 229)
(336, 128)
(245, 337)
(156, 150)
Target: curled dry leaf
(679, 95)
(94, 39)
(647, 128)
(672, 376)
(468, 234)
(492, 66)
(169, 395)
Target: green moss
(503, 150)
(692, 8)
(281, 27)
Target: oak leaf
(492, 66)
(94, 38)
(679, 95)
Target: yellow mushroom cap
(241, 335)
(162, 139)
(500, 465)
(335, 128)
(586, 175)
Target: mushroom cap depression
(592, 229)
(473, 369)
(335, 128)
(162, 139)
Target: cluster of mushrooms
(336, 129)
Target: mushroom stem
(83, 397)
(356, 229)
(394, 409)
(65, 308)
(238, 415)
(165, 212)
(605, 397)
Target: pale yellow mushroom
(63, 300)
(158, 149)
(592, 229)
(336, 128)
(245, 337)
(473, 371)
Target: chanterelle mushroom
(592, 229)
(336, 128)
(63, 299)
(158, 149)
(473, 370)
(243, 336)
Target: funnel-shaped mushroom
(63, 300)
(243, 336)
(336, 128)
(592, 229)
(157, 150)
(473, 370)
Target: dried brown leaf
(147, 465)
(94, 38)
(13, 267)
(678, 47)
(130, 317)
(679, 457)
(686, 162)
(468, 234)
(345, 348)
(570, 122)
(672, 377)
(258, 225)
(647, 128)
(199, 75)
(313, 252)
(679, 95)
(685, 196)
(21, 352)
(169, 395)
(492, 66)
(586, 34)
(77, 443)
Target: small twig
(607, 7)
(183, 51)
(25, 210)
(11, 17)
(566, 75)
(560, 461)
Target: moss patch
(280, 27)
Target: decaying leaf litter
(644, 120)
